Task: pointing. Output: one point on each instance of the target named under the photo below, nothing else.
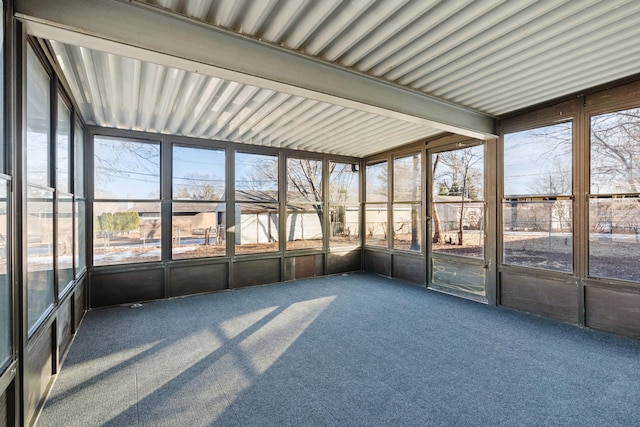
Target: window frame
(271, 204)
(372, 203)
(541, 120)
(95, 201)
(215, 238)
(433, 204)
(348, 206)
(596, 197)
(413, 203)
(307, 206)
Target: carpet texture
(356, 350)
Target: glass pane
(39, 236)
(63, 139)
(376, 224)
(80, 249)
(538, 161)
(256, 177)
(126, 169)
(304, 226)
(407, 176)
(304, 180)
(79, 161)
(407, 232)
(198, 230)
(344, 183)
(126, 232)
(344, 225)
(614, 238)
(198, 173)
(458, 175)
(377, 181)
(256, 228)
(5, 290)
(460, 227)
(538, 234)
(65, 241)
(38, 121)
(615, 152)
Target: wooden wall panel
(610, 310)
(37, 370)
(79, 305)
(197, 279)
(305, 266)
(256, 272)
(543, 296)
(63, 323)
(127, 286)
(4, 412)
(409, 268)
(377, 262)
(342, 262)
(318, 265)
(620, 97)
(289, 268)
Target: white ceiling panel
(315, 75)
(494, 56)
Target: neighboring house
(256, 220)
(450, 208)
(193, 220)
(539, 216)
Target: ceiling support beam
(153, 35)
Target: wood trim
(613, 99)
(613, 310)
(556, 299)
(566, 110)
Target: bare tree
(615, 151)
(615, 169)
(464, 177)
(263, 179)
(437, 225)
(341, 179)
(304, 181)
(125, 159)
(343, 190)
(198, 186)
(415, 182)
(407, 187)
(555, 181)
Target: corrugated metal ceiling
(125, 93)
(493, 56)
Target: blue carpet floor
(356, 350)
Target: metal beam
(150, 34)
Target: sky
(529, 159)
